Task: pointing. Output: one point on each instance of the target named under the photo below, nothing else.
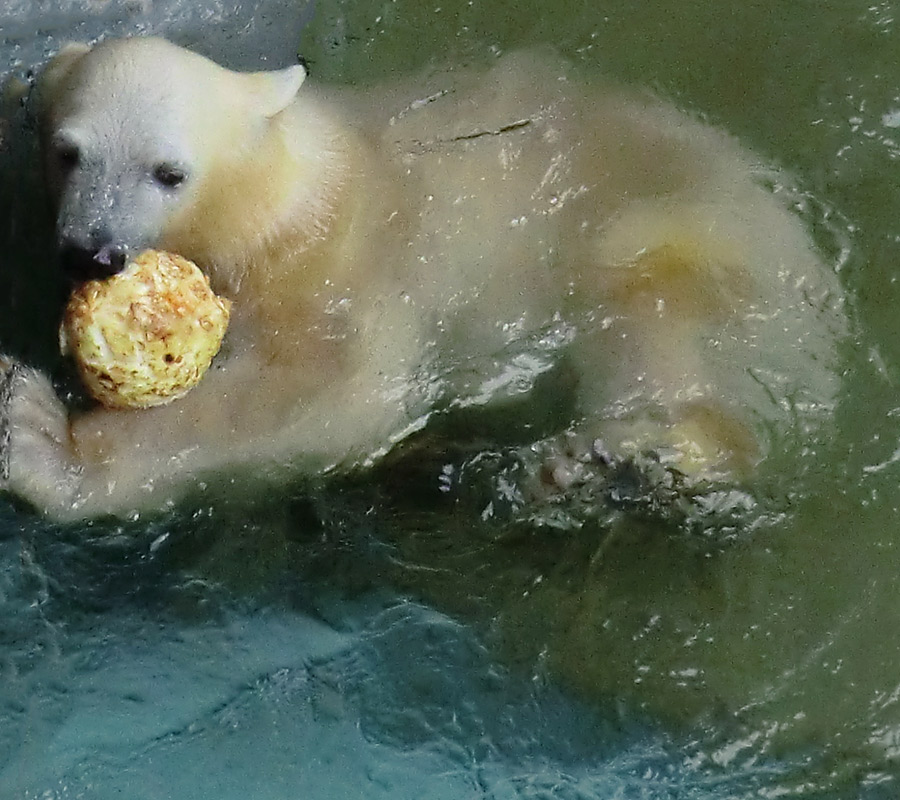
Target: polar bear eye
(169, 175)
(67, 155)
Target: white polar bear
(389, 250)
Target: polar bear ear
(275, 90)
(60, 66)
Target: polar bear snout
(91, 263)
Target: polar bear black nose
(84, 264)
(112, 258)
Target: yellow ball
(147, 335)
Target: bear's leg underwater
(715, 337)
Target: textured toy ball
(147, 335)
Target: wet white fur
(391, 247)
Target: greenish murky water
(782, 637)
(385, 640)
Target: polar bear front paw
(34, 438)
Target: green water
(784, 637)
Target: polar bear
(432, 244)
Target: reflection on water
(409, 637)
(141, 664)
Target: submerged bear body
(392, 251)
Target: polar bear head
(131, 130)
